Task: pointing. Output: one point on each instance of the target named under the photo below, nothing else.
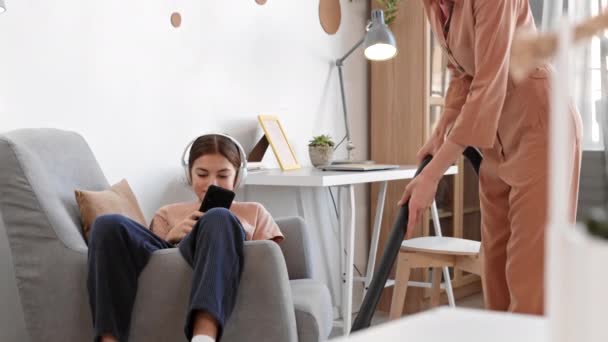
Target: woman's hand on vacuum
(429, 148)
(420, 192)
(432, 146)
(177, 233)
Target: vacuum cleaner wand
(391, 250)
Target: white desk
(445, 324)
(311, 177)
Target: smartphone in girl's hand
(217, 197)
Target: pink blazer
(481, 96)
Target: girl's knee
(219, 221)
(221, 213)
(106, 228)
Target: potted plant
(391, 7)
(597, 223)
(321, 150)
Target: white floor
(475, 301)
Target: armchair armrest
(296, 247)
(264, 309)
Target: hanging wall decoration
(176, 19)
(330, 15)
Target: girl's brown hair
(214, 144)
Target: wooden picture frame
(274, 132)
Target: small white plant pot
(321, 155)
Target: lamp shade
(379, 44)
(2, 6)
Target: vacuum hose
(391, 250)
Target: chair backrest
(39, 172)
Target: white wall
(138, 89)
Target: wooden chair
(436, 252)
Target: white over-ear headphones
(241, 173)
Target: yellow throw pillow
(119, 199)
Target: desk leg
(373, 248)
(300, 202)
(349, 233)
(342, 254)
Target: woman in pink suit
(508, 122)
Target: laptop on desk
(359, 167)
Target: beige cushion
(119, 199)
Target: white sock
(202, 338)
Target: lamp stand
(349, 143)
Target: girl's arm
(266, 228)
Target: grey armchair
(44, 270)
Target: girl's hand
(421, 193)
(177, 233)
